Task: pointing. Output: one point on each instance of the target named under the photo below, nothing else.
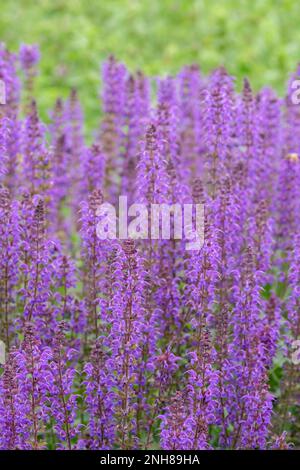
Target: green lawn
(257, 38)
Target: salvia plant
(140, 343)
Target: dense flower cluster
(140, 344)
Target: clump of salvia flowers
(140, 344)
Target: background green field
(257, 38)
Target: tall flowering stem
(99, 401)
(9, 235)
(125, 339)
(62, 403)
(29, 56)
(32, 363)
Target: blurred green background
(257, 38)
